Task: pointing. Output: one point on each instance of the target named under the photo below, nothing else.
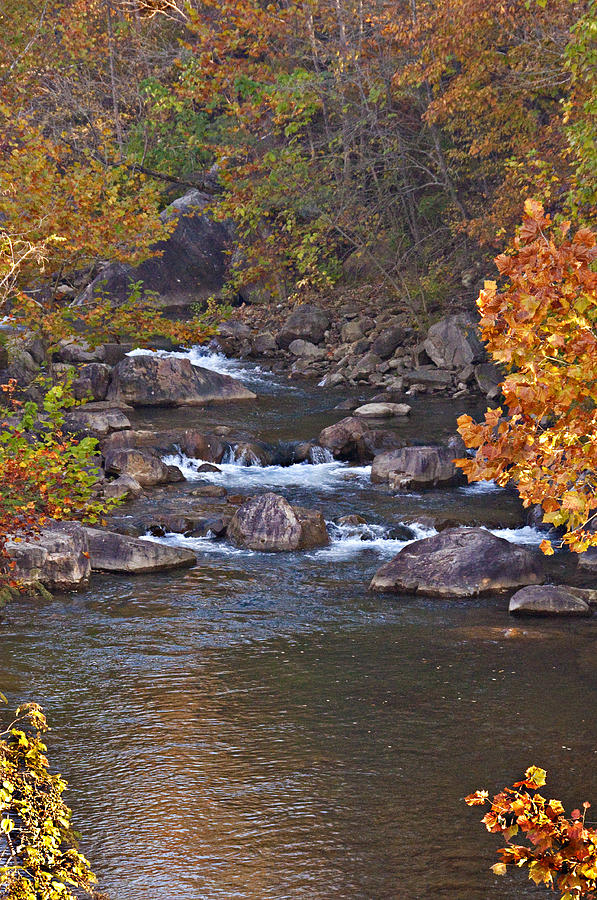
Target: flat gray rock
(382, 410)
(149, 380)
(113, 552)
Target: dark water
(262, 727)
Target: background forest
(396, 138)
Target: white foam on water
(322, 477)
(199, 544)
(210, 359)
(527, 534)
(480, 487)
(347, 541)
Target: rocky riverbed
(218, 476)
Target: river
(262, 727)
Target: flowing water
(262, 727)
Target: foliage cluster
(39, 859)
(45, 473)
(543, 327)
(562, 852)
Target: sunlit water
(262, 727)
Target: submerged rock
(269, 523)
(169, 381)
(547, 600)
(114, 552)
(458, 563)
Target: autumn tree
(542, 326)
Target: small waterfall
(319, 455)
(247, 457)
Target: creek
(262, 727)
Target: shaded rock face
(92, 381)
(122, 488)
(453, 342)
(58, 557)
(347, 439)
(193, 261)
(202, 446)
(313, 528)
(352, 439)
(307, 323)
(458, 563)
(386, 343)
(269, 523)
(587, 561)
(253, 454)
(263, 343)
(113, 552)
(156, 381)
(146, 468)
(489, 377)
(547, 600)
(416, 467)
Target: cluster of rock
(140, 380)
(344, 346)
(63, 555)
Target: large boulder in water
(458, 563)
(57, 557)
(149, 380)
(453, 342)
(192, 263)
(307, 323)
(416, 467)
(269, 523)
(113, 552)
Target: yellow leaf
(499, 869)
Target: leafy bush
(39, 859)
